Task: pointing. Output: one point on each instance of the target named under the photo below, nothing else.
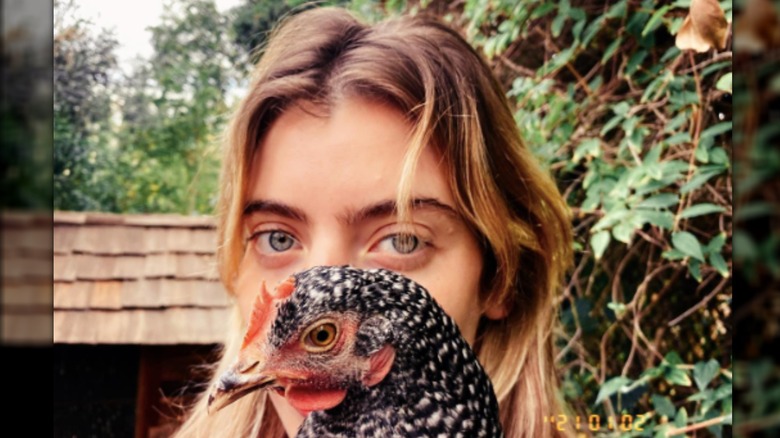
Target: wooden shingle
(114, 240)
(136, 279)
(160, 327)
(72, 295)
(27, 294)
(106, 295)
(26, 267)
(163, 292)
(26, 328)
(64, 269)
(64, 239)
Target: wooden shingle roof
(25, 265)
(136, 279)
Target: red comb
(285, 289)
(262, 306)
(259, 310)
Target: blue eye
(274, 241)
(400, 243)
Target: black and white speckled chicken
(366, 354)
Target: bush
(637, 133)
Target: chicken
(364, 353)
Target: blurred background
(628, 103)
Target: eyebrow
(379, 209)
(274, 207)
(388, 207)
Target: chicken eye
(320, 336)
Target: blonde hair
(455, 105)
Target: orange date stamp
(597, 423)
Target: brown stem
(700, 304)
(697, 426)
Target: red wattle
(307, 398)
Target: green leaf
(576, 31)
(611, 50)
(577, 14)
(719, 156)
(661, 219)
(744, 246)
(676, 376)
(716, 67)
(724, 83)
(559, 60)
(623, 231)
(716, 244)
(662, 431)
(673, 254)
(682, 137)
(635, 61)
(622, 108)
(681, 419)
(700, 210)
(719, 263)
(715, 130)
(723, 391)
(699, 179)
(610, 125)
(694, 267)
(688, 244)
(663, 200)
(587, 147)
(557, 24)
(617, 10)
(655, 20)
(652, 373)
(663, 405)
(674, 25)
(655, 87)
(755, 210)
(702, 152)
(672, 52)
(673, 358)
(676, 122)
(599, 243)
(564, 6)
(610, 387)
(704, 372)
(610, 219)
(702, 395)
(542, 10)
(591, 30)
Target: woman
(392, 146)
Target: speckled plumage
(435, 388)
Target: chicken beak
(236, 383)
(250, 372)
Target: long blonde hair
(455, 105)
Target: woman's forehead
(357, 150)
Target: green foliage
(152, 145)
(756, 242)
(637, 133)
(84, 63)
(176, 109)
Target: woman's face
(322, 192)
